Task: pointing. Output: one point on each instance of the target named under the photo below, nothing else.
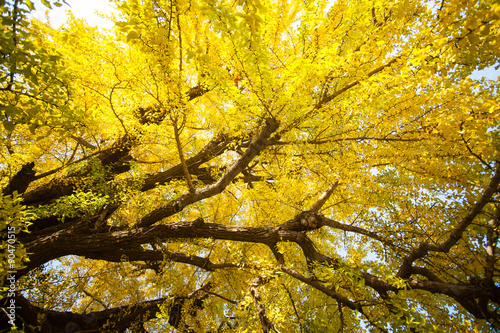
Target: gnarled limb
(322, 200)
(266, 324)
(21, 180)
(257, 145)
(121, 318)
(424, 248)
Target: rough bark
(52, 239)
(21, 180)
(117, 319)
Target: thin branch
(294, 307)
(316, 285)
(12, 74)
(373, 324)
(201, 262)
(113, 108)
(73, 153)
(475, 155)
(358, 138)
(83, 142)
(95, 299)
(324, 221)
(180, 42)
(48, 173)
(341, 314)
(222, 297)
(181, 156)
(332, 96)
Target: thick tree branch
(491, 244)
(214, 148)
(489, 267)
(21, 180)
(113, 246)
(424, 248)
(321, 201)
(455, 290)
(115, 160)
(309, 221)
(53, 321)
(257, 145)
(121, 318)
(60, 187)
(266, 324)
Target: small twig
(180, 42)
(222, 297)
(341, 329)
(475, 155)
(95, 299)
(294, 307)
(373, 324)
(113, 108)
(48, 173)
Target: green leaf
(10, 110)
(46, 4)
(8, 125)
(132, 35)
(134, 20)
(32, 128)
(30, 5)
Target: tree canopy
(252, 165)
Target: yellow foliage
(376, 97)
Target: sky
(490, 73)
(87, 9)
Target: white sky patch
(84, 9)
(89, 9)
(489, 73)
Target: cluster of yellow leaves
(375, 95)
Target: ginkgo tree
(240, 166)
